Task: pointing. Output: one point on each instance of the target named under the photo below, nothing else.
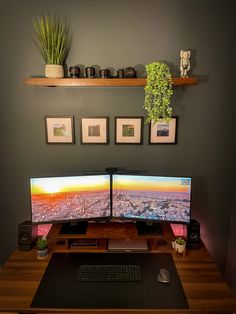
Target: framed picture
(94, 130)
(163, 132)
(128, 130)
(59, 129)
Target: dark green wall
(117, 34)
(230, 273)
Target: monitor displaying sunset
(70, 198)
(151, 197)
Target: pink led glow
(44, 229)
(179, 229)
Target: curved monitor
(151, 198)
(71, 198)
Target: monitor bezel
(134, 219)
(72, 221)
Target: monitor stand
(146, 227)
(79, 227)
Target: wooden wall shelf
(101, 82)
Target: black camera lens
(74, 71)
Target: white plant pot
(54, 71)
(179, 248)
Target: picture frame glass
(59, 129)
(94, 130)
(128, 130)
(163, 132)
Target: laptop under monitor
(128, 245)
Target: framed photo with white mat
(163, 132)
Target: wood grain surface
(101, 82)
(204, 286)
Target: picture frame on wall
(94, 130)
(128, 130)
(163, 132)
(59, 129)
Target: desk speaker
(193, 235)
(27, 234)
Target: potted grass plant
(158, 92)
(42, 247)
(53, 41)
(180, 245)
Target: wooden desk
(204, 286)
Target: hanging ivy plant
(158, 92)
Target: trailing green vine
(158, 92)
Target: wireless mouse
(163, 276)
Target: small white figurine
(184, 62)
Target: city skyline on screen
(58, 199)
(55, 199)
(151, 198)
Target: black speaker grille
(193, 235)
(25, 235)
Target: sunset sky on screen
(151, 183)
(69, 184)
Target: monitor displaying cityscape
(153, 198)
(70, 198)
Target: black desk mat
(59, 288)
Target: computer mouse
(163, 276)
